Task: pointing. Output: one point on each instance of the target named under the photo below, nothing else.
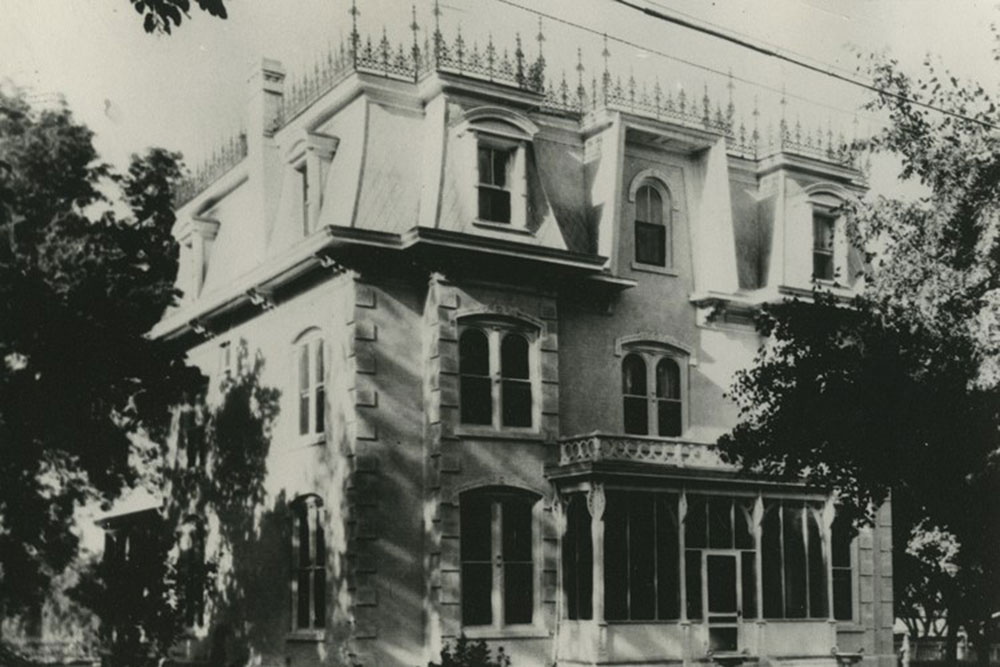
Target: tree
(163, 15)
(79, 289)
(898, 392)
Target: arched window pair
(495, 385)
(651, 390)
(653, 226)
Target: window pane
(823, 231)
(668, 379)
(773, 595)
(320, 410)
(720, 525)
(817, 568)
(305, 543)
(742, 513)
(477, 590)
(721, 584)
(668, 417)
(517, 593)
(634, 376)
(516, 402)
(843, 605)
(636, 416)
(473, 353)
(641, 555)
(500, 161)
(514, 357)
(578, 560)
(475, 528)
(692, 580)
(477, 404)
(650, 244)
(516, 530)
(695, 525)
(319, 597)
(748, 567)
(615, 558)
(649, 205)
(318, 346)
(667, 558)
(795, 561)
(842, 534)
(822, 266)
(302, 603)
(303, 368)
(485, 165)
(494, 204)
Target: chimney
(266, 85)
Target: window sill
(509, 632)
(305, 636)
(499, 434)
(503, 227)
(653, 268)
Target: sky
(186, 91)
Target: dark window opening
(578, 560)
(651, 238)
(494, 195)
(823, 235)
(310, 565)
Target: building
(502, 311)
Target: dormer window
(652, 222)
(309, 161)
(824, 231)
(494, 189)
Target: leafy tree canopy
(164, 15)
(80, 286)
(898, 392)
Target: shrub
(471, 654)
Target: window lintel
(654, 178)
(655, 343)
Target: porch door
(724, 613)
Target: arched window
(652, 227)
(474, 372)
(498, 557)
(792, 561)
(309, 564)
(496, 377)
(668, 397)
(635, 395)
(311, 379)
(652, 393)
(578, 560)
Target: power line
(782, 55)
(690, 63)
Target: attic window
(824, 231)
(494, 188)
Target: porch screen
(641, 557)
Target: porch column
(596, 502)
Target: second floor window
(311, 389)
(309, 564)
(652, 227)
(824, 226)
(495, 383)
(651, 391)
(494, 187)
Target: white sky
(186, 91)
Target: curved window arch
(310, 374)
(496, 374)
(653, 381)
(497, 548)
(308, 563)
(635, 393)
(653, 232)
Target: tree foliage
(898, 392)
(164, 15)
(79, 288)
(465, 653)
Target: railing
(639, 449)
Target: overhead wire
(786, 56)
(626, 42)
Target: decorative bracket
(201, 328)
(596, 501)
(261, 298)
(328, 262)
